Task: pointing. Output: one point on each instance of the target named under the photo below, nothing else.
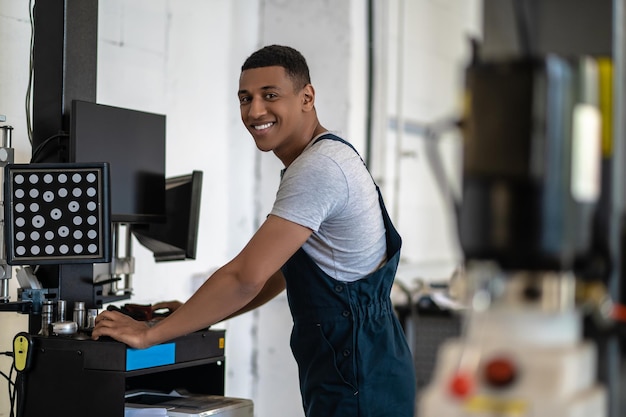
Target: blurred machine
(528, 226)
(541, 217)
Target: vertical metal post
(65, 63)
(122, 267)
(64, 69)
(613, 348)
(115, 267)
(619, 148)
(400, 116)
(128, 275)
(6, 156)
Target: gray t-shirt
(329, 190)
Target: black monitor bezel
(152, 210)
(158, 237)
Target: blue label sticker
(158, 355)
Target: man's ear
(308, 97)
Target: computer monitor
(176, 239)
(133, 143)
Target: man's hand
(122, 328)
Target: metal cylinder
(64, 328)
(47, 317)
(92, 313)
(5, 139)
(61, 310)
(79, 314)
(4, 290)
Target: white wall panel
(427, 47)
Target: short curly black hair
(284, 56)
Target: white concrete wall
(424, 49)
(182, 59)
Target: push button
(462, 384)
(500, 372)
(338, 288)
(345, 313)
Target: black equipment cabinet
(72, 377)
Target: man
(328, 240)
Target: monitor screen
(133, 143)
(176, 239)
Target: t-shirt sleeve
(312, 190)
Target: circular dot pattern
(55, 213)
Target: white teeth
(264, 126)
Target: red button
(462, 384)
(500, 372)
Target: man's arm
(274, 286)
(229, 290)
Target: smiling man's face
(273, 110)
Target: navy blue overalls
(353, 358)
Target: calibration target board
(57, 213)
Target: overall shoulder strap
(345, 142)
(338, 139)
(394, 241)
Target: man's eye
(244, 100)
(270, 96)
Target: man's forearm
(204, 309)
(274, 286)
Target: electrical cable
(11, 385)
(7, 378)
(9, 381)
(44, 144)
(29, 127)
(19, 392)
(12, 394)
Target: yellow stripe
(605, 67)
(508, 407)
